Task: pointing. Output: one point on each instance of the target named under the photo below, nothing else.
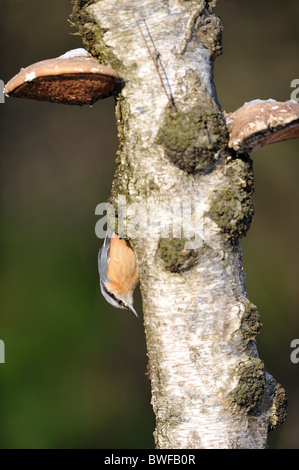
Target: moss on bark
(193, 138)
(92, 34)
(279, 408)
(231, 207)
(250, 321)
(251, 385)
(176, 258)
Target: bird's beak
(134, 312)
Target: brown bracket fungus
(262, 122)
(71, 78)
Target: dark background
(75, 367)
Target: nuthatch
(118, 271)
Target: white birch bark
(209, 387)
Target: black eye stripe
(120, 302)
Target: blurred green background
(75, 367)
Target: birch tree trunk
(209, 386)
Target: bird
(118, 271)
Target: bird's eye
(121, 303)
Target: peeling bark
(209, 387)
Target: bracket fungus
(262, 122)
(73, 78)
